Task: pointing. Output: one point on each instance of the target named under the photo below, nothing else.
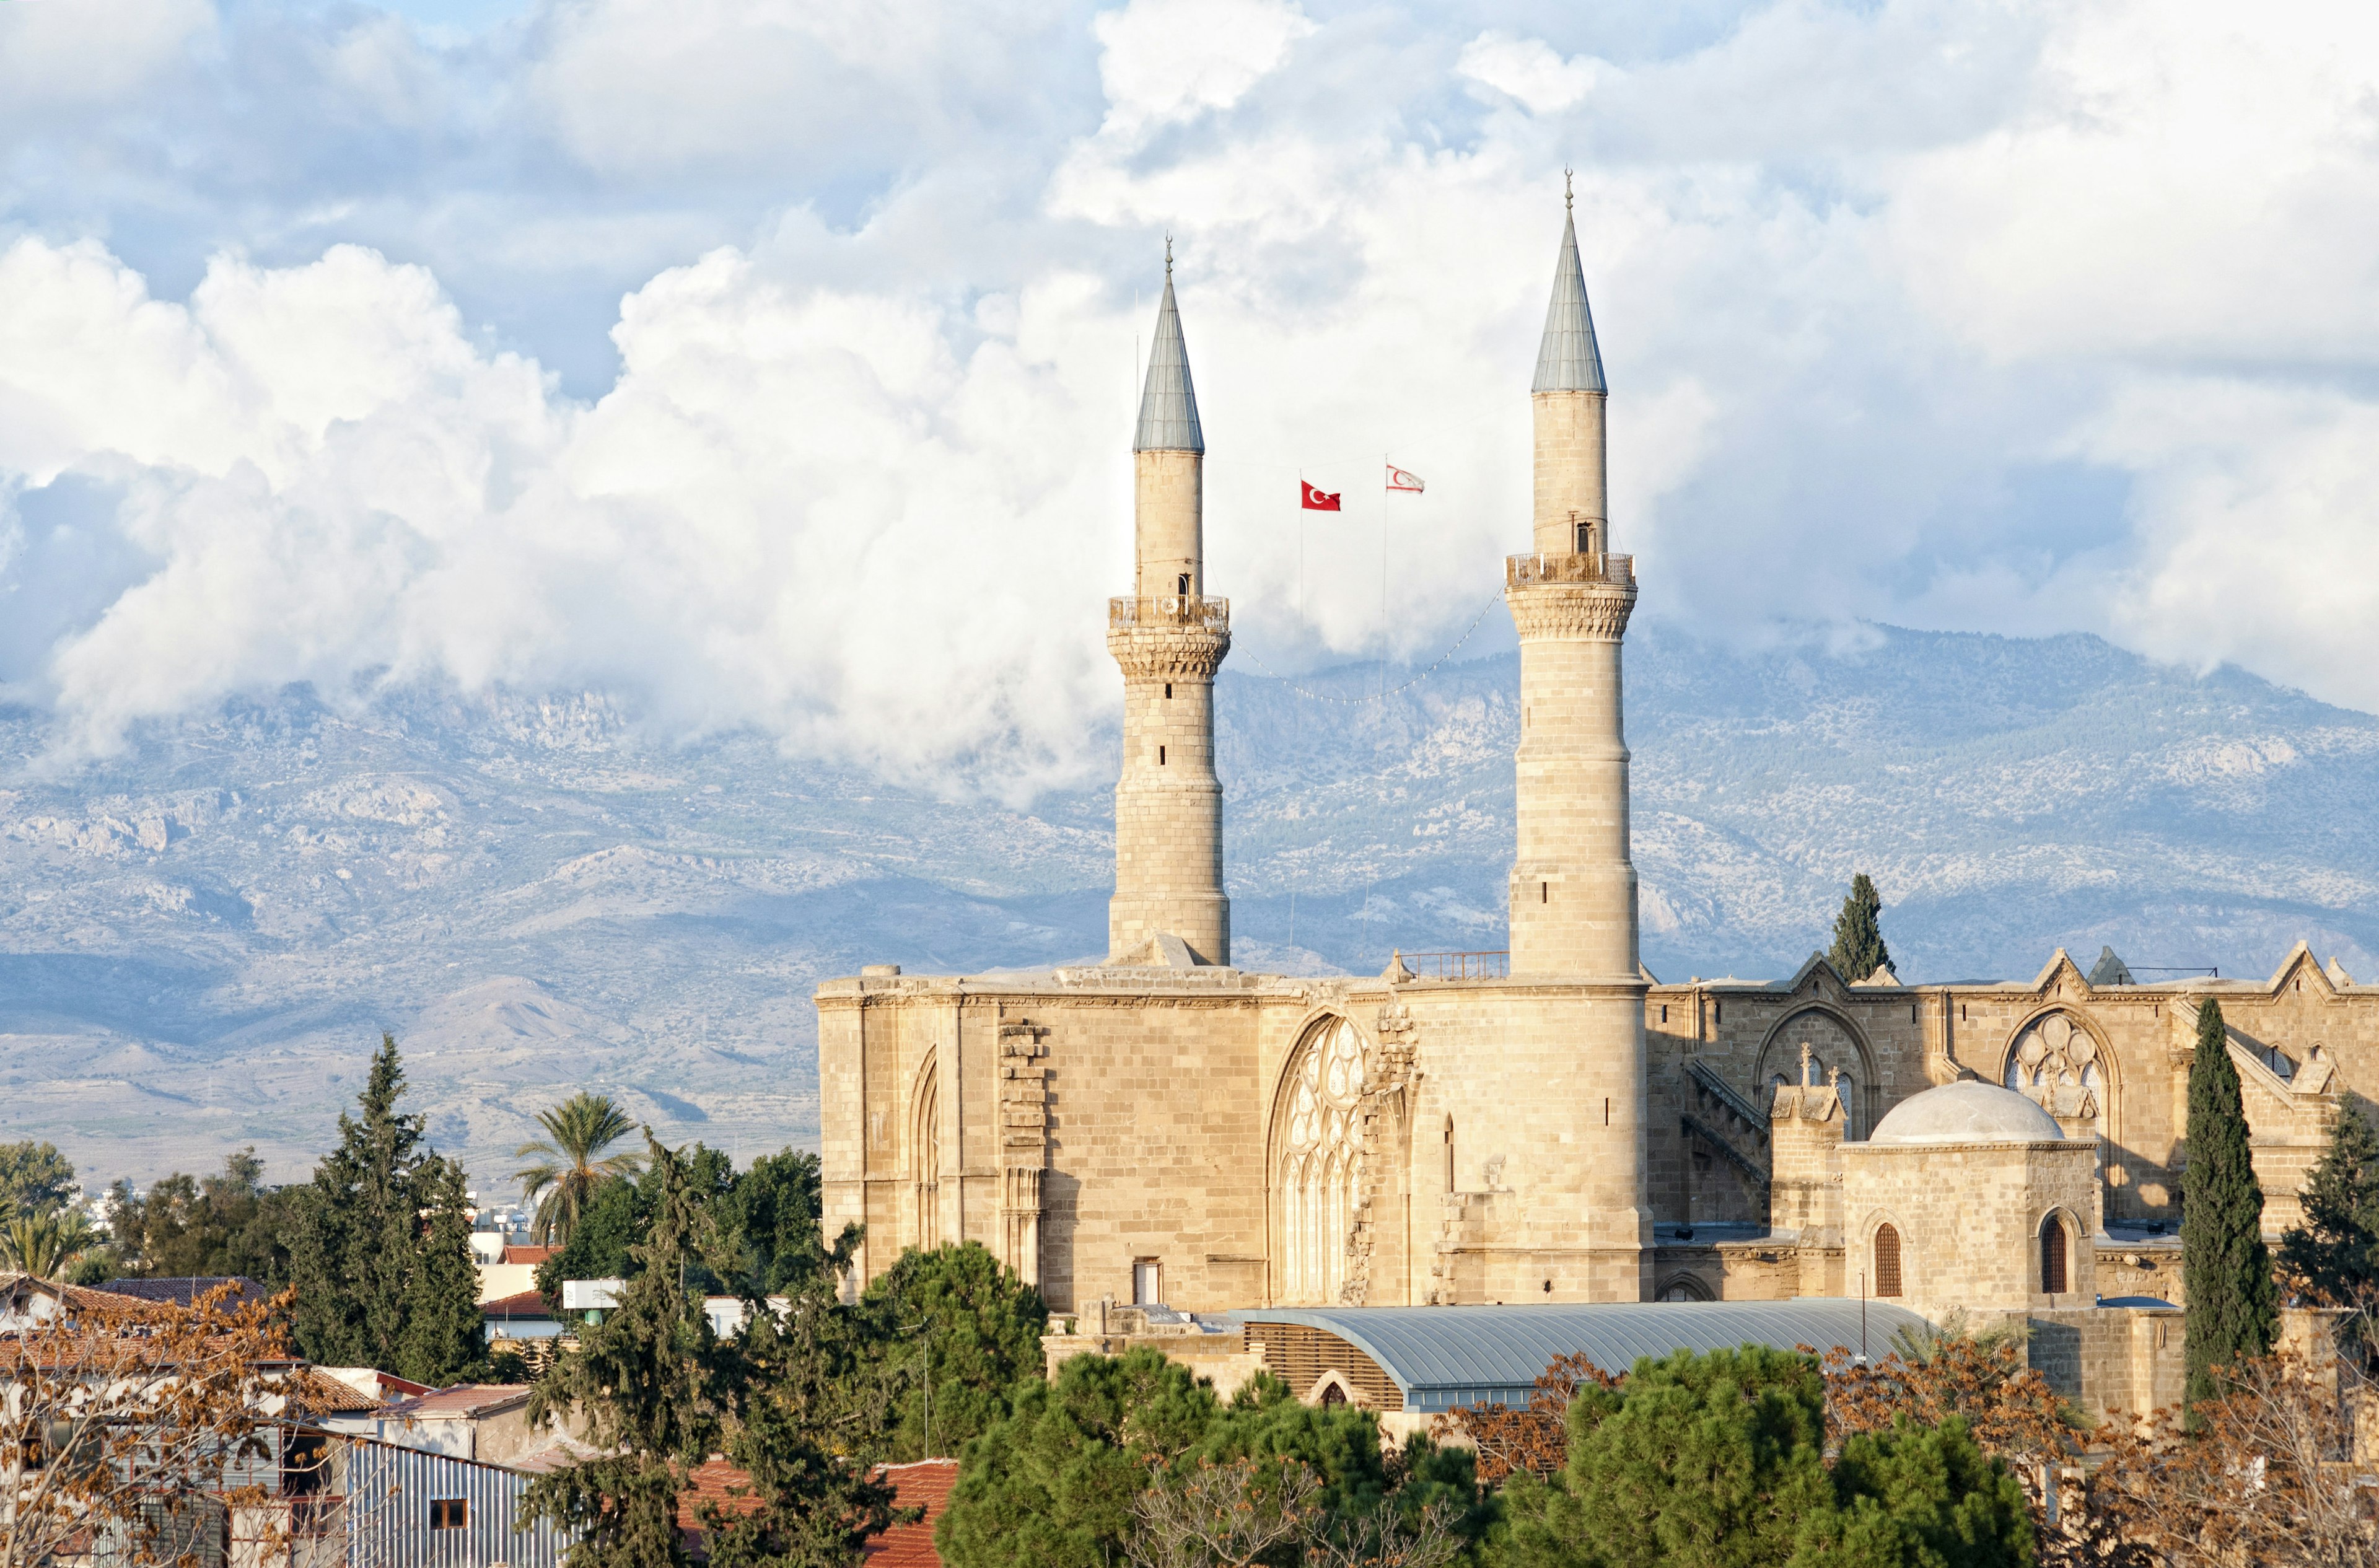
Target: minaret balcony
(1173, 609)
(1618, 570)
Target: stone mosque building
(1551, 1126)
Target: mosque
(1551, 1125)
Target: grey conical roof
(1569, 359)
(1168, 407)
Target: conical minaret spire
(1568, 395)
(1168, 404)
(1568, 359)
(1170, 638)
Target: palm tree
(575, 1131)
(46, 1245)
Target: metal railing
(1496, 965)
(1619, 570)
(1173, 609)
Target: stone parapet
(1172, 609)
(1568, 566)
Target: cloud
(1529, 70)
(1166, 61)
(2008, 316)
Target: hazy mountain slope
(199, 940)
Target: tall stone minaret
(1171, 639)
(1572, 884)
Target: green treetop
(1858, 949)
(571, 1164)
(957, 1316)
(2333, 1256)
(377, 1241)
(1718, 1459)
(34, 1179)
(2226, 1272)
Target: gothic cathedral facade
(1555, 1127)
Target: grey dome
(1967, 1111)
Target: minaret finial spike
(1169, 256)
(1569, 197)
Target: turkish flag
(1313, 499)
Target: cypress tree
(444, 1333)
(1858, 948)
(365, 1261)
(2233, 1305)
(2333, 1256)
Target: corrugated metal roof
(1447, 1355)
(1569, 359)
(1168, 405)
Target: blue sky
(773, 362)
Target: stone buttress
(1169, 638)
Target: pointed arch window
(2052, 1256)
(1886, 1260)
(1319, 1158)
(926, 1146)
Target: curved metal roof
(1446, 1356)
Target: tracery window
(1321, 1150)
(2055, 1062)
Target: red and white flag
(1400, 480)
(1315, 501)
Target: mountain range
(202, 938)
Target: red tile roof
(528, 1304)
(925, 1483)
(912, 1545)
(526, 1254)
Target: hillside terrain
(201, 940)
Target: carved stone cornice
(1596, 612)
(1169, 653)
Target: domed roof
(1967, 1111)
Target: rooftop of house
(922, 1485)
(528, 1304)
(185, 1291)
(464, 1401)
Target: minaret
(1171, 639)
(1572, 884)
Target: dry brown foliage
(2274, 1474)
(1222, 1515)
(1250, 1511)
(1536, 1439)
(144, 1429)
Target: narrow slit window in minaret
(1544, 892)
(1160, 757)
(1184, 589)
(1168, 690)
(1586, 538)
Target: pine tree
(651, 1382)
(361, 1255)
(2225, 1269)
(2333, 1256)
(1858, 948)
(444, 1334)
